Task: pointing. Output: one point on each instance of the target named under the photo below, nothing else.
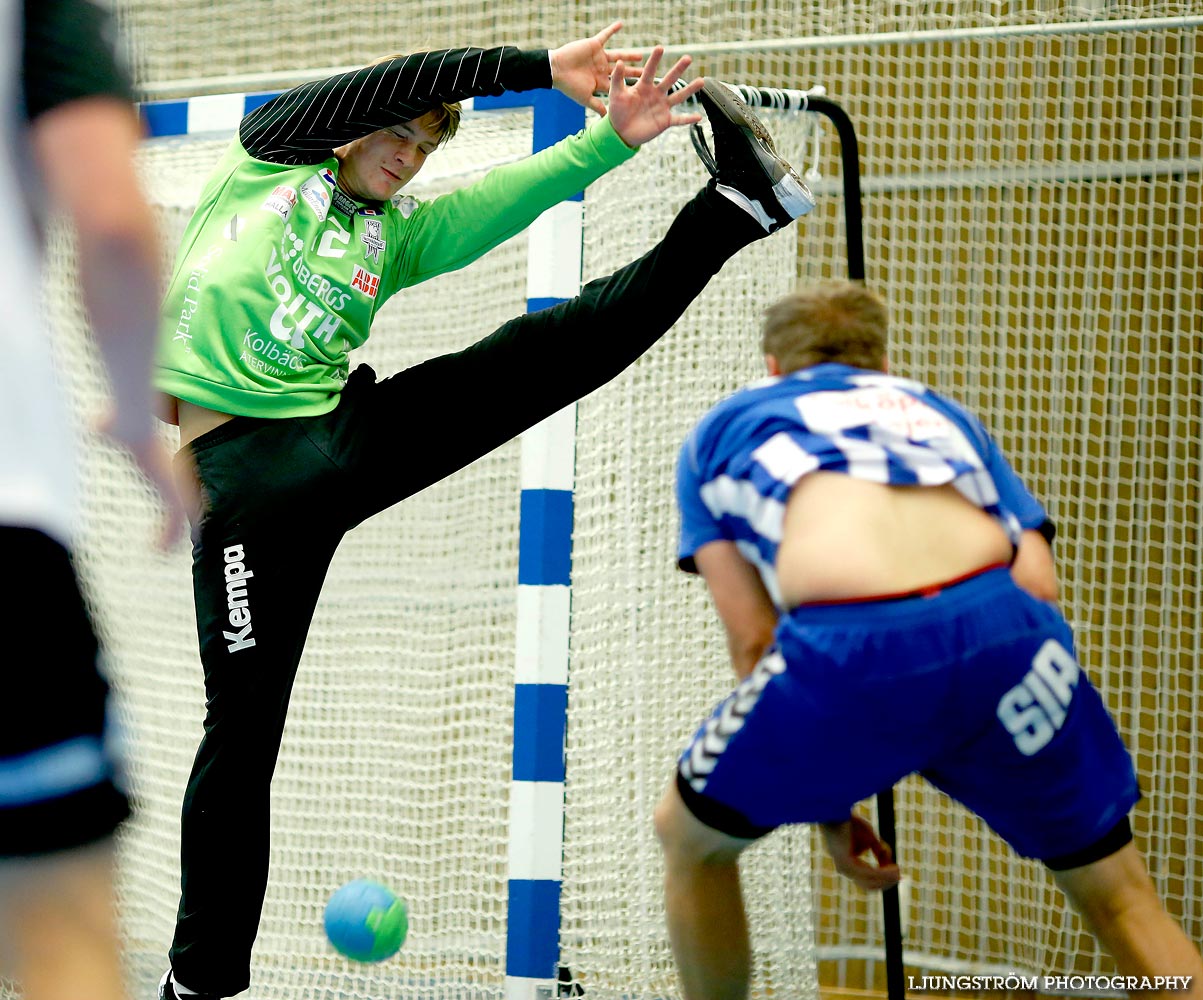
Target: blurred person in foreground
(886, 584)
(72, 132)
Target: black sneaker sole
(786, 191)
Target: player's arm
(707, 547)
(304, 124)
(454, 230)
(84, 131)
(1034, 569)
(743, 605)
(851, 844)
(84, 149)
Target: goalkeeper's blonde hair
(447, 116)
(840, 321)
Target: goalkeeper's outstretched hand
(582, 69)
(640, 111)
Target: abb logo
(366, 282)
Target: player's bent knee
(685, 838)
(667, 819)
(1105, 887)
(1115, 839)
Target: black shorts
(59, 781)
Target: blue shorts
(976, 688)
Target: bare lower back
(196, 420)
(846, 538)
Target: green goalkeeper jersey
(280, 273)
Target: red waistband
(931, 590)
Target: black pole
(850, 156)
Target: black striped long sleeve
(304, 124)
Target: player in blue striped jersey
(886, 585)
(741, 462)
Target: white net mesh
(1031, 212)
(209, 47)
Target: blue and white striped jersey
(740, 462)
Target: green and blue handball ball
(366, 921)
